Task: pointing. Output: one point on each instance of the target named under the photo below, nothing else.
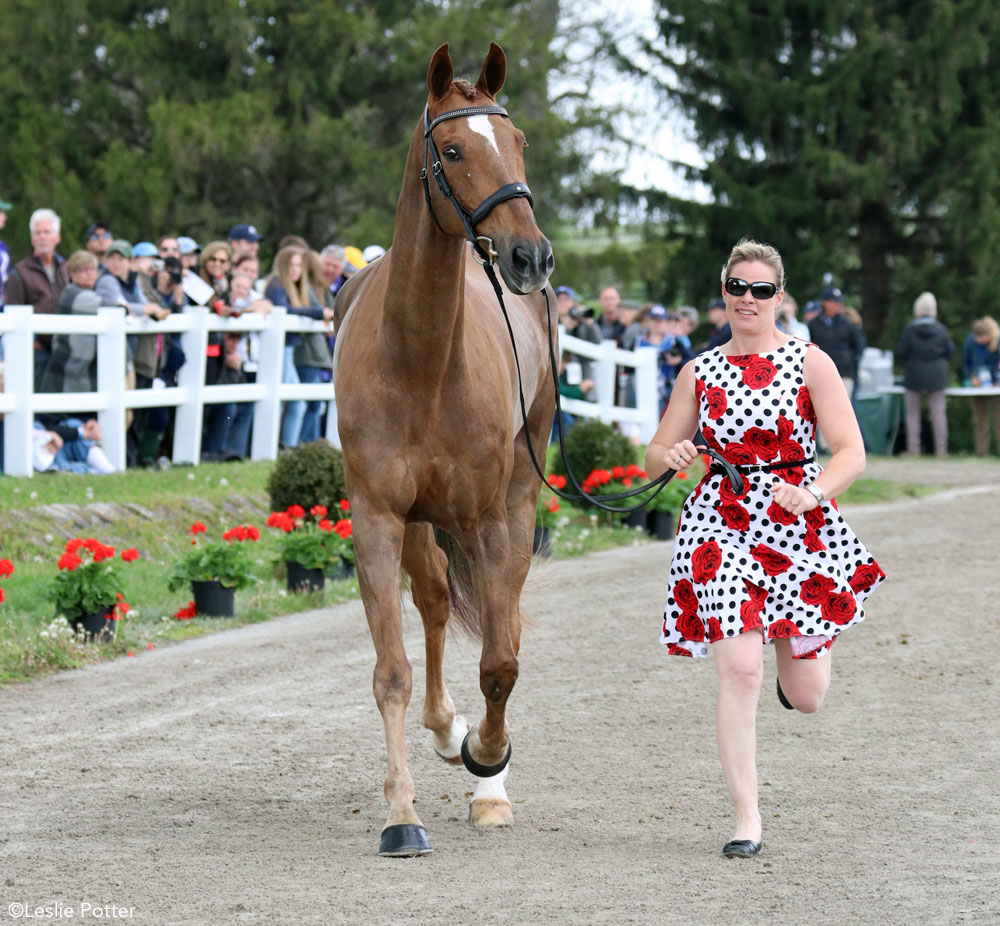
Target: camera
(674, 351)
(580, 311)
(172, 265)
(156, 265)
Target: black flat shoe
(741, 848)
(785, 703)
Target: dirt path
(237, 778)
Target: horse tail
(460, 585)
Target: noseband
(482, 246)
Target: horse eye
(452, 154)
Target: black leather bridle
(482, 246)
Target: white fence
(19, 403)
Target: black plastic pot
(98, 625)
(300, 579)
(636, 519)
(341, 570)
(213, 599)
(661, 524)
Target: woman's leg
(804, 682)
(912, 401)
(740, 663)
(939, 421)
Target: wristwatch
(816, 491)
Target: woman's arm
(672, 439)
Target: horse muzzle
(526, 265)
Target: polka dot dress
(740, 561)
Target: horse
(435, 462)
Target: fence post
(267, 414)
(604, 381)
(19, 380)
(647, 398)
(111, 361)
(191, 377)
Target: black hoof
(404, 840)
(482, 771)
(741, 848)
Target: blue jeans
(314, 410)
(238, 439)
(72, 456)
(291, 421)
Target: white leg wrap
(492, 788)
(450, 746)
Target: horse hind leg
(427, 564)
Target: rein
(484, 252)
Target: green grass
(152, 512)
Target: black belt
(734, 470)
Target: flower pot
(341, 570)
(661, 524)
(541, 545)
(213, 599)
(637, 519)
(300, 579)
(98, 626)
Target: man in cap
(609, 324)
(39, 279)
(144, 253)
(4, 253)
(834, 333)
(190, 251)
(244, 239)
(97, 238)
(716, 311)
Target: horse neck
(424, 304)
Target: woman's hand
(681, 455)
(794, 499)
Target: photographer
(577, 321)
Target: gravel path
(237, 778)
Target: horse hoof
(404, 840)
(491, 812)
(483, 771)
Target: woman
(981, 367)
(769, 560)
(925, 349)
(289, 287)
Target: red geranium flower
(617, 472)
(69, 561)
(187, 613)
(73, 545)
(325, 525)
(318, 511)
(552, 506)
(343, 527)
(557, 481)
(6, 568)
(296, 511)
(345, 505)
(1, 596)
(130, 554)
(197, 528)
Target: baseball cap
(658, 311)
(187, 245)
(372, 252)
(244, 233)
(565, 290)
(831, 294)
(812, 307)
(145, 249)
(96, 225)
(4, 205)
(717, 303)
(120, 246)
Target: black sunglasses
(759, 290)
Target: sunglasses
(759, 290)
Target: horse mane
(466, 87)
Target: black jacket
(841, 339)
(924, 349)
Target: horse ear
(494, 71)
(440, 73)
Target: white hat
(372, 252)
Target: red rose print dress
(740, 561)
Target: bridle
(484, 252)
(481, 245)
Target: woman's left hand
(794, 499)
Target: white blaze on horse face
(481, 126)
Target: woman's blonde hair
(298, 293)
(80, 260)
(747, 250)
(987, 326)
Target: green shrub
(594, 445)
(307, 475)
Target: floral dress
(740, 561)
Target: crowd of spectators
(153, 280)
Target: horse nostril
(523, 260)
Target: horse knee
(496, 681)
(392, 684)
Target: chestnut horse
(435, 462)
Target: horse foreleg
(378, 541)
(427, 565)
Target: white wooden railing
(19, 403)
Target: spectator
(570, 387)
(72, 366)
(249, 266)
(720, 334)
(313, 357)
(119, 283)
(687, 322)
(628, 315)
(576, 322)
(4, 256)
(38, 280)
(144, 254)
(925, 349)
(811, 310)
(788, 323)
(190, 251)
(167, 246)
(98, 238)
(981, 367)
(288, 287)
(834, 333)
(333, 260)
(663, 334)
(244, 239)
(609, 324)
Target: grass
(152, 512)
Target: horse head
(475, 154)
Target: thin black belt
(735, 470)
